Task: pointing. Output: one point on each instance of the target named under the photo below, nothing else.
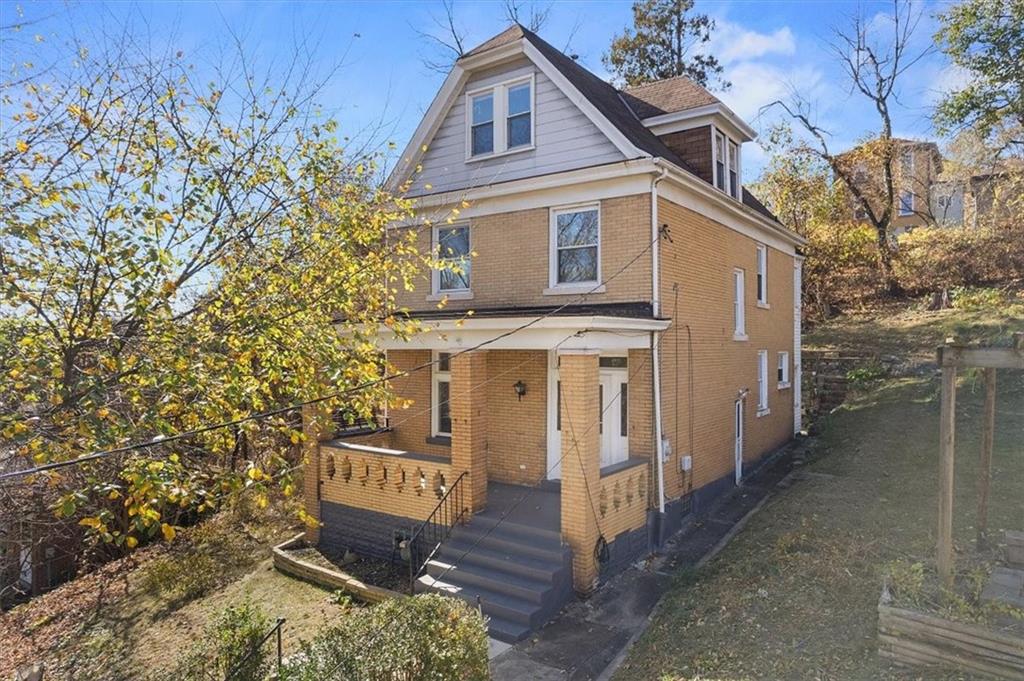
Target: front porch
(549, 442)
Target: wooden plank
(924, 653)
(978, 646)
(1012, 643)
(988, 428)
(947, 429)
(982, 358)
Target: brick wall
(411, 424)
(700, 259)
(511, 263)
(517, 430)
(694, 147)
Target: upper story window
(453, 247)
(906, 202)
(520, 105)
(762, 275)
(482, 131)
(907, 161)
(501, 119)
(575, 245)
(727, 165)
(739, 314)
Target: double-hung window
(738, 304)
(575, 246)
(501, 118)
(906, 202)
(482, 126)
(726, 165)
(734, 170)
(907, 163)
(783, 370)
(762, 275)
(519, 128)
(441, 394)
(720, 161)
(762, 382)
(453, 250)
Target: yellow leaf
(132, 542)
(167, 217)
(21, 146)
(167, 530)
(56, 400)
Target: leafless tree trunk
(874, 66)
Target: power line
(162, 440)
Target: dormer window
(727, 164)
(501, 119)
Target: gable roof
(667, 96)
(623, 110)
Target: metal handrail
(238, 666)
(428, 536)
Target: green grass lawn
(794, 596)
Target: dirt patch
(382, 573)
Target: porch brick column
(468, 403)
(581, 462)
(312, 431)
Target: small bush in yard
(236, 632)
(424, 638)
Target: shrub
(236, 632)
(427, 638)
(932, 260)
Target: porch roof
(615, 326)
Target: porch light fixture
(520, 389)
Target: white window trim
(436, 292)
(762, 272)
(500, 118)
(909, 211)
(555, 288)
(762, 383)
(739, 305)
(910, 170)
(715, 132)
(783, 363)
(436, 376)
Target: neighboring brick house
(595, 226)
(924, 195)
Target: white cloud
(755, 85)
(732, 43)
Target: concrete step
(541, 569)
(492, 603)
(518, 530)
(507, 631)
(509, 583)
(510, 541)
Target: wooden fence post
(947, 428)
(988, 427)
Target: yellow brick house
(633, 349)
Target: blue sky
(382, 86)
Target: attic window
(483, 124)
(501, 119)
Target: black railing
(426, 539)
(243, 668)
(347, 423)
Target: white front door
(613, 421)
(738, 446)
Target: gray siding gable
(564, 137)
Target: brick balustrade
(622, 501)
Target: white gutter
(655, 356)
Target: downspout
(655, 346)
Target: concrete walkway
(589, 639)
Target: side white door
(554, 467)
(738, 446)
